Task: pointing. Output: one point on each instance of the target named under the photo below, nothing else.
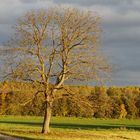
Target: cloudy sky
(121, 30)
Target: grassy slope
(71, 128)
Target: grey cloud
(94, 2)
(123, 38)
(28, 1)
(125, 78)
(121, 30)
(5, 32)
(10, 11)
(32, 1)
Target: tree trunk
(47, 118)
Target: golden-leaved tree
(55, 46)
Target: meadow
(70, 128)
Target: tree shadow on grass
(92, 126)
(78, 126)
(22, 123)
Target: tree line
(18, 98)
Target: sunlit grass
(64, 128)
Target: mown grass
(64, 128)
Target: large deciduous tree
(55, 46)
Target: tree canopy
(55, 46)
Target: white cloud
(12, 9)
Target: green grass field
(64, 128)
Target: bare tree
(56, 46)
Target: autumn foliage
(80, 101)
